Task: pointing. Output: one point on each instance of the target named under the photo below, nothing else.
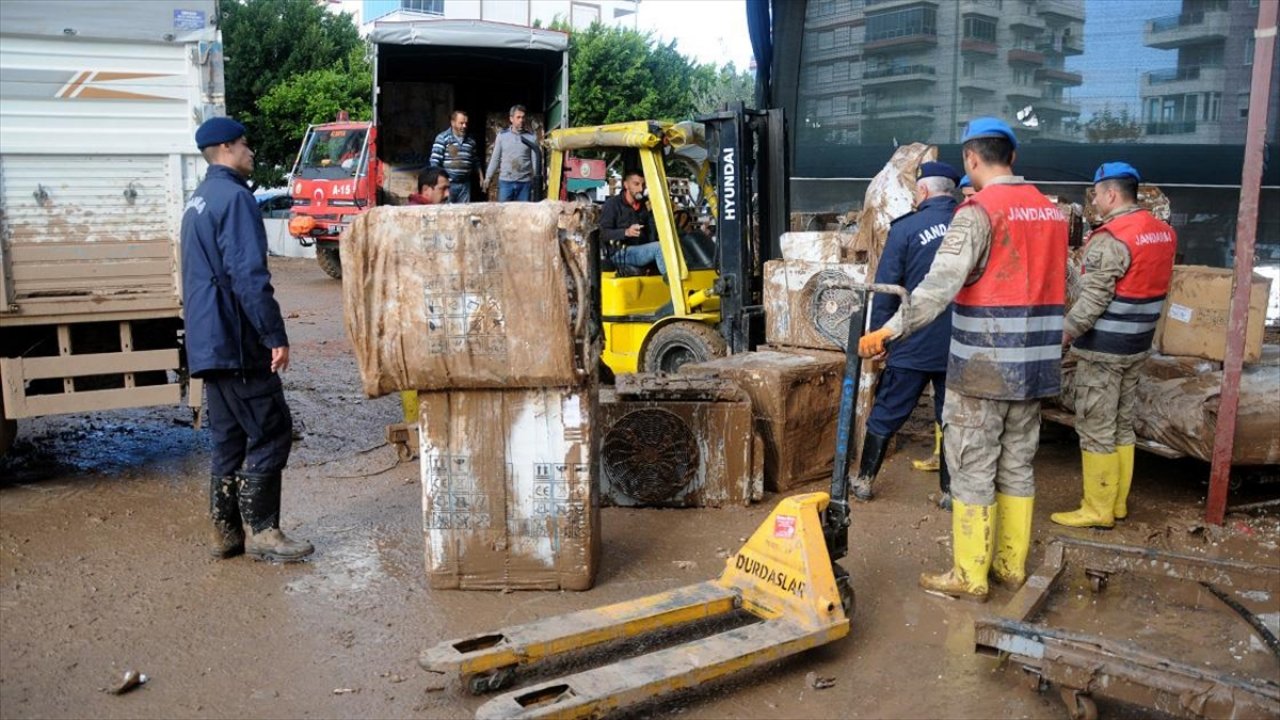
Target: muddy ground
(102, 569)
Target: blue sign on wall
(188, 19)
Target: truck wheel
(8, 431)
(329, 262)
(681, 343)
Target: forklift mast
(752, 181)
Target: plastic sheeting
(466, 33)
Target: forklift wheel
(328, 259)
(681, 343)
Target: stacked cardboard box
(485, 310)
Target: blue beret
(987, 127)
(965, 182)
(1113, 170)
(218, 130)
(937, 169)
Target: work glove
(872, 344)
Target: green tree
(617, 74)
(267, 42)
(1108, 126)
(315, 96)
(714, 88)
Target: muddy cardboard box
(795, 396)
(807, 304)
(509, 489)
(821, 247)
(470, 296)
(1196, 310)
(678, 441)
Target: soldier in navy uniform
(922, 358)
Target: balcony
(1060, 45)
(1026, 23)
(912, 39)
(1022, 56)
(1065, 9)
(1057, 76)
(1174, 81)
(907, 74)
(989, 8)
(979, 47)
(1172, 127)
(1175, 31)
(977, 85)
(878, 5)
(899, 112)
(832, 20)
(1023, 95)
(1056, 106)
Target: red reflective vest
(1128, 324)
(1006, 328)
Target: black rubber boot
(227, 537)
(260, 508)
(873, 450)
(944, 481)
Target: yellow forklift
(710, 302)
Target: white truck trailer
(99, 102)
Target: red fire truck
(335, 177)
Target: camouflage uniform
(1106, 384)
(989, 444)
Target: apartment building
(1203, 97)
(879, 71)
(578, 13)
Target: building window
(842, 36)
(903, 23)
(431, 7)
(840, 70)
(980, 28)
(968, 68)
(824, 40)
(824, 73)
(1023, 78)
(1249, 44)
(1213, 106)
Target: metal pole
(1246, 235)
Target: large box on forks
(795, 396)
(509, 498)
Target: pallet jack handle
(835, 519)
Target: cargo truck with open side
(423, 70)
(97, 158)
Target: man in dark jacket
(920, 359)
(626, 227)
(236, 342)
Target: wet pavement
(103, 569)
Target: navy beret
(937, 169)
(986, 127)
(1113, 170)
(218, 130)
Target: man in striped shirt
(455, 153)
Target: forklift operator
(626, 225)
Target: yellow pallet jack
(785, 577)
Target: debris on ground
(684, 564)
(345, 691)
(816, 682)
(131, 680)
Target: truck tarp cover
(467, 33)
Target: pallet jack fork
(785, 577)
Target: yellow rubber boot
(1013, 539)
(1101, 483)
(932, 464)
(1126, 479)
(972, 537)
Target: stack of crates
(486, 311)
